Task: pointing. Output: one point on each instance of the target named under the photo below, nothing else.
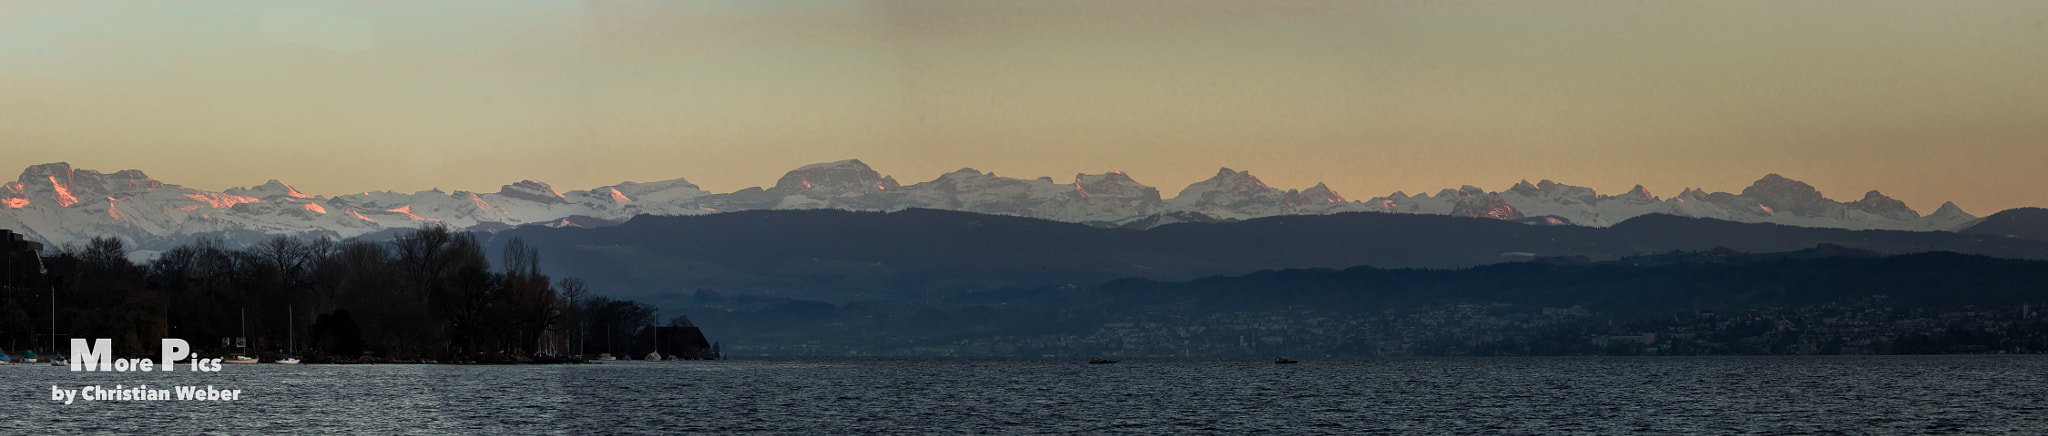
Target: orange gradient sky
(1925, 101)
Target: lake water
(1719, 395)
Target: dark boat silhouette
(1283, 360)
(1099, 360)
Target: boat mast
(292, 325)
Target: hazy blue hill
(1622, 287)
(836, 255)
(2026, 222)
(1345, 311)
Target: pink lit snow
(219, 200)
(64, 198)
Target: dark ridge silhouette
(1626, 287)
(835, 255)
(1636, 290)
(2026, 222)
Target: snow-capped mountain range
(58, 204)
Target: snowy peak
(1485, 206)
(1780, 194)
(1951, 218)
(14, 195)
(1240, 195)
(1227, 190)
(1949, 209)
(1113, 184)
(845, 165)
(64, 186)
(1227, 177)
(1314, 195)
(534, 191)
(614, 195)
(1876, 203)
(1560, 190)
(1637, 195)
(957, 181)
(272, 190)
(969, 186)
(832, 179)
(1544, 192)
(63, 204)
(127, 181)
(666, 191)
(1525, 188)
(56, 172)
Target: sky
(1925, 101)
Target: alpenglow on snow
(57, 204)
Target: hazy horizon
(1924, 102)
(1165, 192)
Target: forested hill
(1350, 310)
(843, 256)
(1645, 286)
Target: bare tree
(573, 293)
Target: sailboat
(242, 359)
(608, 345)
(56, 357)
(656, 355)
(292, 324)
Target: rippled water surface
(1776, 395)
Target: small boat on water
(28, 356)
(241, 342)
(1099, 360)
(1284, 361)
(59, 360)
(606, 356)
(292, 325)
(653, 357)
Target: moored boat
(1099, 360)
(1283, 360)
(292, 325)
(243, 343)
